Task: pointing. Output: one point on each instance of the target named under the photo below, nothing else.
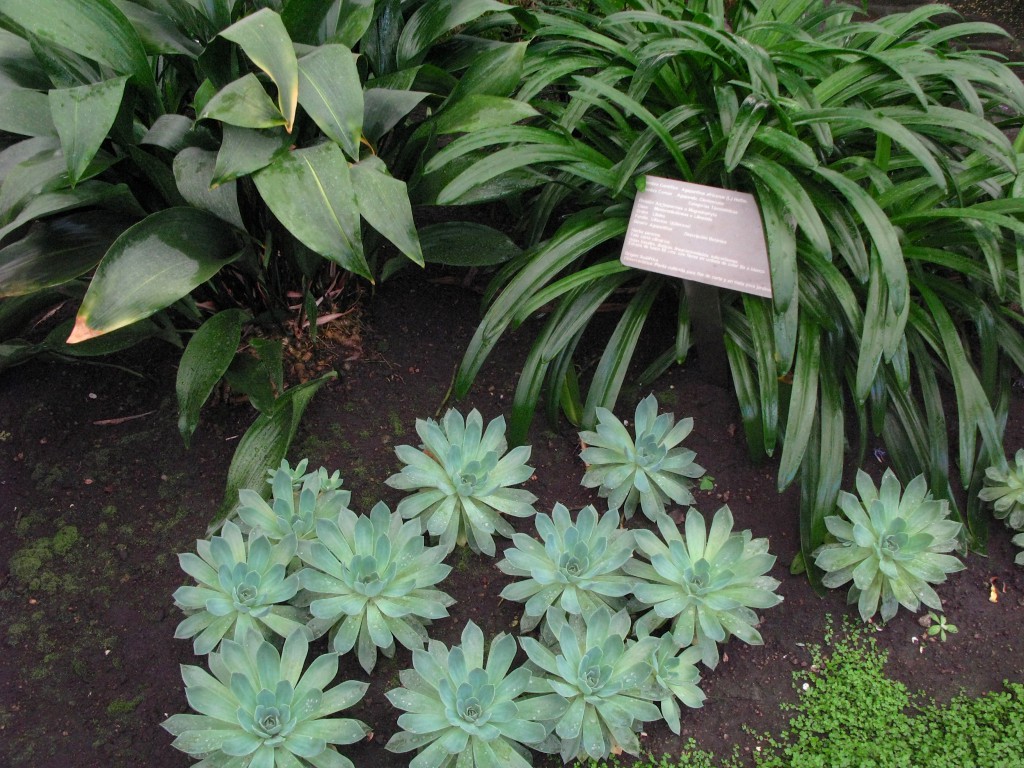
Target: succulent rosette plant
(461, 711)
(374, 579)
(892, 547)
(259, 710)
(1004, 489)
(650, 471)
(604, 680)
(575, 567)
(242, 586)
(300, 499)
(705, 582)
(674, 678)
(461, 481)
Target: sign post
(710, 238)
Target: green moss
(109, 511)
(26, 564)
(65, 539)
(123, 706)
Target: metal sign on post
(703, 235)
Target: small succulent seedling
(461, 481)
(650, 471)
(892, 548)
(300, 499)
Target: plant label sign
(699, 233)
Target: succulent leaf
(374, 582)
(705, 582)
(1004, 488)
(257, 705)
(651, 471)
(460, 710)
(576, 567)
(892, 549)
(462, 481)
(242, 586)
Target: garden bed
(99, 494)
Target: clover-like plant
(462, 711)
(1004, 487)
(706, 583)
(674, 677)
(892, 547)
(259, 710)
(300, 500)
(651, 471)
(242, 585)
(374, 578)
(576, 567)
(605, 682)
(462, 481)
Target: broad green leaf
(243, 103)
(117, 198)
(43, 173)
(150, 266)
(311, 193)
(384, 107)
(466, 244)
(433, 20)
(83, 117)
(193, 171)
(303, 19)
(95, 29)
(203, 363)
(479, 113)
(263, 37)
(57, 250)
(100, 346)
(354, 19)
(266, 443)
(244, 151)
(384, 202)
(18, 65)
(170, 132)
(26, 113)
(331, 93)
(158, 33)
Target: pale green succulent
(651, 471)
(576, 567)
(462, 481)
(373, 578)
(1018, 540)
(1004, 487)
(705, 583)
(242, 586)
(605, 682)
(462, 711)
(300, 499)
(674, 679)
(259, 710)
(892, 548)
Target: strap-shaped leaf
(758, 312)
(83, 117)
(310, 191)
(150, 266)
(263, 37)
(803, 401)
(331, 92)
(480, 112)
(466, 244)
(266, 443)
(497, 72)
(433, 20)
(207, 356)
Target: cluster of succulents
(625, 615)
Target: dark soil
(98, 494)
(93, 514)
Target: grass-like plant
(650, 470)
(892, 547)
(461, 482)
(877, 152)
